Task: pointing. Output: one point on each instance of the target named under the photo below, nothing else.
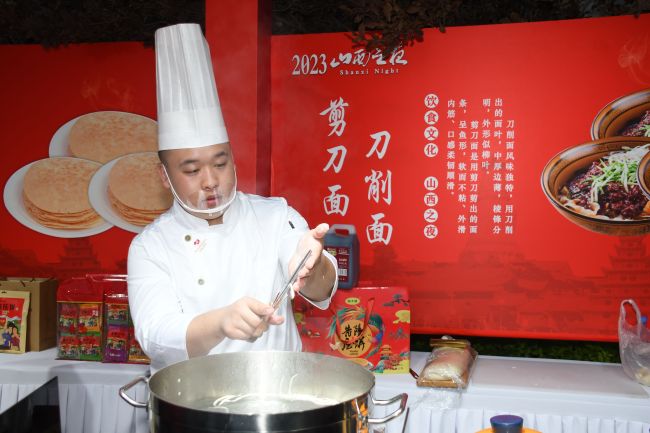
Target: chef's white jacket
(180, 267)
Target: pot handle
(402, 405)
(130, 385)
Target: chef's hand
(312, 240)
(248, 318)
(245, 319)
(316, 278)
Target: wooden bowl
(566, 164)
(614, 117)
(643, 174)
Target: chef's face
(203, 177)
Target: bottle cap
(507, 424)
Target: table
(88, 391)
(551, 395)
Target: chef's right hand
(247, 319)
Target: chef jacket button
(188, 238)
(201, 281)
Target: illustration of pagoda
(627, 277)
(629, 274)
(78, 259)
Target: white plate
(100, 201)
(59, 141)
(13, 199)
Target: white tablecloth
(88, 391)
(552, 396)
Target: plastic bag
(449, 364)
(634, 345)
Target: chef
(202, 276)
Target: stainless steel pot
(181, 395)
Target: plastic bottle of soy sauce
(341, 241)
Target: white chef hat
(189, 113)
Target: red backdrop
(44, 89)
(545, 278)
(352, 143)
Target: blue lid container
(507, 424)
(341, 241)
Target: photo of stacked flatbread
(135, 190)
(105, 135)
(55, 193)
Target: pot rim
(156, 382)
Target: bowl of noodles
(643, 174)
(627, 116)
(595, 185)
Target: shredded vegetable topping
(646, 130)
(618, 167)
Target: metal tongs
(282, 295)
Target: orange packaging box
(367, 325)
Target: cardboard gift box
(41, 318)
(367, 325)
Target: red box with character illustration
(367, 325)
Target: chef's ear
(163, 175)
